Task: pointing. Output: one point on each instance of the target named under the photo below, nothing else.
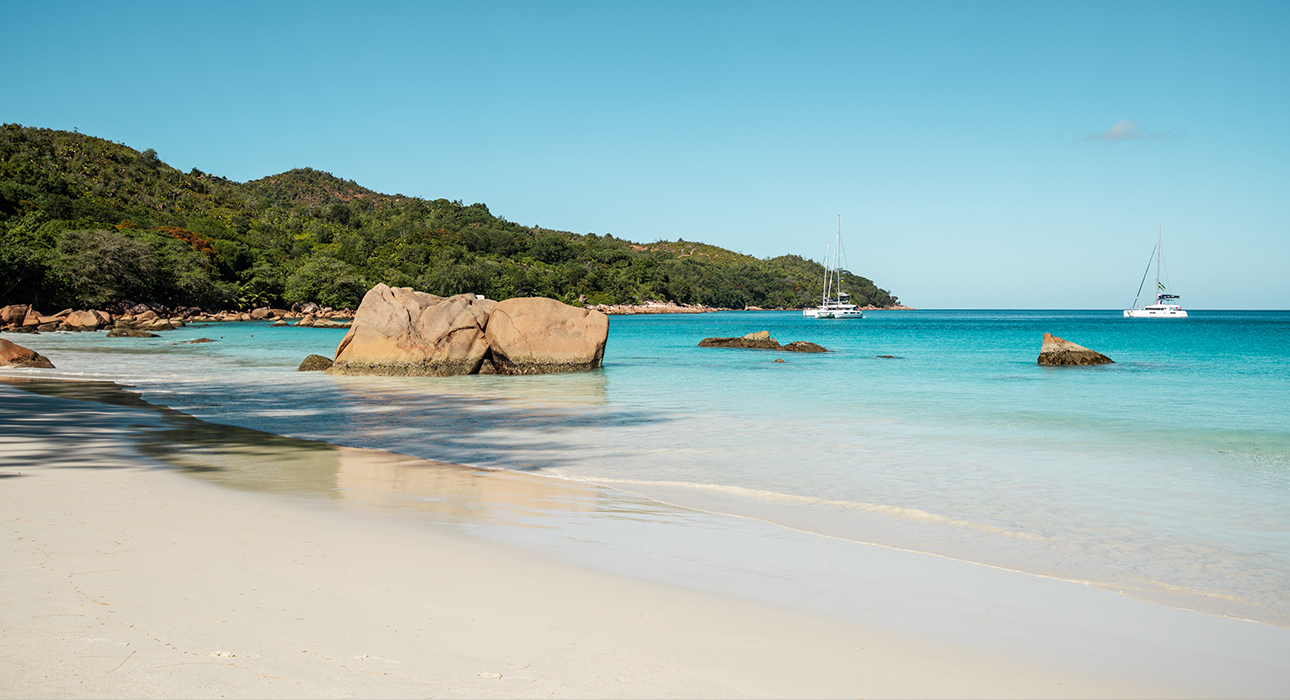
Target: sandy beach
(125, 576)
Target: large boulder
(402, 332)
(86, 320)
(1056, 351)
(535, 335)
(13, 313)
(14, 355)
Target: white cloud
(1124, 130)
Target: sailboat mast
(1157, 263)
(837, 258)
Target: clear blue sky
(981, 155)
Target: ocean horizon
(1163, 476)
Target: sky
(978, 154)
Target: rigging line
(11, 287)
(1144, 276)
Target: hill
(88, 222)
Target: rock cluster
(760, 340)
(14, 355)
(398, 331)
(22, 318)
(1056, 351)
(652, 307)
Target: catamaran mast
(837, 258)
(1157, 263)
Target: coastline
(153, 570)
(671, 307)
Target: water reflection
(365, 479)
(371, 479)
(577, 388)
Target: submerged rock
(803, 346)
(314, 363)
(120, 332)
(14, 355)
(760, 340)
(1056, 351)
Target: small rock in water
(779, 359)
(760, 340)
(314, 363)
(1056, 351)
(803, 346)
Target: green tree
(328, 281)
(99, 266)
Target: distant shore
(671, 307)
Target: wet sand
(125, 576)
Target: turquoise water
(1165, 475)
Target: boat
(1166, 305)
(839, 306)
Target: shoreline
(719, 645)
(672, 307)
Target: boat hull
(833, 314)
(1149, 312)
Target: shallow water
(1166, 475)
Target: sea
(1164, 476)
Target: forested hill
(86, 222)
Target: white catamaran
(838, 307)
(1166, 305)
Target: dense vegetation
(86, 222)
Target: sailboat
(839, 306)
(1166, 305)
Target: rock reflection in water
(253, 460)
(372, 479)
(361, 478)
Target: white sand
(122, 578)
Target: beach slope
(123, 577)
